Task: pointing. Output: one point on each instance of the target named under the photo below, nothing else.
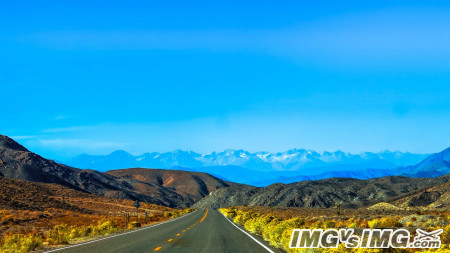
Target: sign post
(137, 205)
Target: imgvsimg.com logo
(370, 238)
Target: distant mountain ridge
(259, 168)
(290, 160)
(434, 165)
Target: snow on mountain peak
(290, 160)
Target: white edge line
(101, 239)
(262, 245)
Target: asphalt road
(202, 231)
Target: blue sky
(96, 76)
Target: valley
(45, 204)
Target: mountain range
(180, 188)
(417, 189)
(259, 168)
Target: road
(201, 231)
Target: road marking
(262, 245)
(204, 216)
(137, 230)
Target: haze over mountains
(176, 188)
(260, 168)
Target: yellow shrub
(106, 227)
(276, 231)
(242, 219)
(60, 234)
(389, 222)
(134, 224)
(229, 212)
(375, 223)
(269, 228)
(445, 237)
(353, 225)
(21, 243)
(256, 225)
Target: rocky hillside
(436, 196)
(19, 163)
(17, 194)
(162, 187)
(321, 193)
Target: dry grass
(36, 214)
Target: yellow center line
(204, 216)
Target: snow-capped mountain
(293, 161)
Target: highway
(205, 231)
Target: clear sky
(96, 76)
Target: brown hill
(171, 188)
(19, 163)
(16, 194)
(22, 195)
(29, 207)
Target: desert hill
(322, 193)
(17, 194)
(434, 196)
(172, 187)
(161, 187)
